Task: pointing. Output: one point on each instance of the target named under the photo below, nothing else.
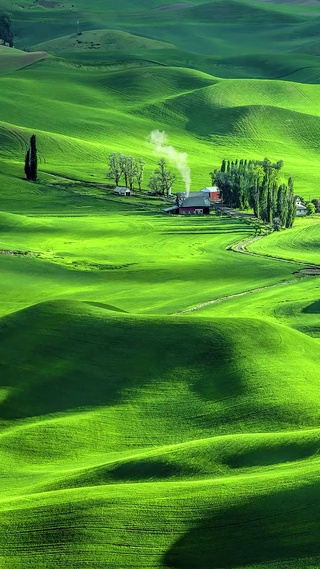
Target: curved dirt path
(241, 247)
(309, 269)
(245, 292)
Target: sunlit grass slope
(302, 243)
(137, 460)
(295, 304)
(104, 41)
(135, 260)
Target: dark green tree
(31, 160)
(253, 183)
(291, 204)
(282, 204)
(316, 204)
(6, 33)
(311, 208)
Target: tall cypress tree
(27, 165)
(31, 160)
(291, 204)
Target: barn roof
(195, 201)
(172, 208)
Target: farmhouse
(300, 208)
(122, 191)
(196, 203)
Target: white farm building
(300, 208)
(122, 191)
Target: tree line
(243, 184)
(256, 184)
(126, 167)
(131, 171)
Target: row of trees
(126, 167)
(256, 184)
(131, 171)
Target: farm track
(309, 270)
(223, 298)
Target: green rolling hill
(159, 392)
(203, 430)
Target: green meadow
(159, 390)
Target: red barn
(214, 194)
(195, 203)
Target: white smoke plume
(159, 139)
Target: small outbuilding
(301, 209)
(122, 191)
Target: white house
(300, 208)
(122, 191)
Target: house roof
(195, 201)
(300, 206)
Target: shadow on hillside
(280, 526)
(54, 358)
(264, 455)
(135, 471)
(144, 470)
(313, 308)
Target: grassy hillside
(159, 392)
(170, 67)
(12, 59)
(302, 243)
(93, 112)
(95, 434)
(136, 261)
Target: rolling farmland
(159, 391)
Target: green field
(159, 391)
